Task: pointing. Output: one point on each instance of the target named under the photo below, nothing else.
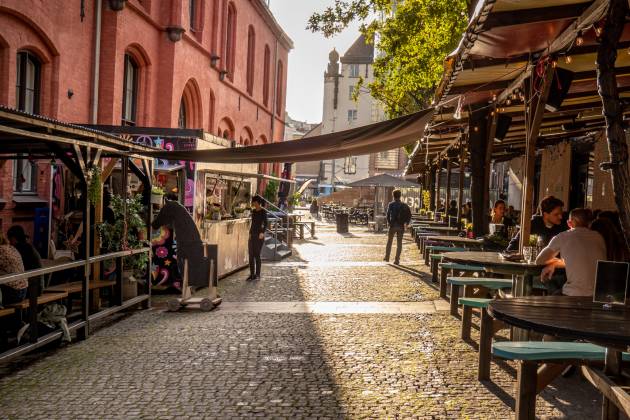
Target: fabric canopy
(363, 140)
(383, 180)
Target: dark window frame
(130, 120)
(182, 118)
(23, 57)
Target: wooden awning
(504, 40)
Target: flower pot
(156, 198)
(129, 285)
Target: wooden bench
(300, 225)
(488, 327)
(77, 286)
(455, 270)
(436, 249)
(473, 287)
(44, 298)
(6, 312)
(530, 354)
(435, 258)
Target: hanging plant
(95, 185)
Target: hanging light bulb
(494, 95)
(554, 64)
(579, 41)
(508, 102)
(598, 30)
(568, 59)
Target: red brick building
(219, 65)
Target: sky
(309, 57)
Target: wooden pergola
(509, 70)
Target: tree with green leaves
(412, 41)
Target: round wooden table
(577, 318)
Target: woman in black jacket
(256, 237)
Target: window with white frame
(350, 165)
(353, 70)
(24, 176)
(352, 115)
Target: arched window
(251, 56)
(27, 86)
(181, 120)
(130, 91)
(279, 88)
(266, 74)
(230, 40)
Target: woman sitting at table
(498, 216)
(546, 224)
(10, 263)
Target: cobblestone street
(282, 348)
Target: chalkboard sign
(611, 282)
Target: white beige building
(344, 109)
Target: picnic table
(457, 240)
(578, 318)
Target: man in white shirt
(579, 249)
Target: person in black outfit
(398, 218)
(546, 224)
(452, 209)
(256, 237)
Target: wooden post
(533, 115)
(491, 133)
(613, 110)
(432, 199)
(477, 145)
(448, 182)
(438, 172)
(462, 173)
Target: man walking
(398, 218)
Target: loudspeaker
(503, 125)
(559, 88)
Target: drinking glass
(527, 253)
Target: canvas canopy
(363, 140)
(383, 180)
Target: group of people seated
(16, 256)
(574, 243)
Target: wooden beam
(591, 15)
(448, 182)
(541, 14)
(478, 137)
(109, 168)
(534, 114)
(462, 172)
(613, 111)
(491, 134)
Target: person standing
(398, 218)
(256, 237)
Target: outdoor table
(457, 240)
(522, 273)
(577, 318)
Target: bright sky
(308, 59)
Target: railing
(81, 325)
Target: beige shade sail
(363, 140)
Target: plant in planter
(119, 236)
(294, 199)
(95, 185)
(157, 193)
(271, 190)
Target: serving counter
(231, 236)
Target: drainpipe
(275, 92)
(97, 62)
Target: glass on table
(528, 253)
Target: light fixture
(598, 30)
(222, 74)
(174, 33)
(568, 59)
(579, 41)
(117, 5)
(494, 97)
(508, 102)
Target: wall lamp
(175, 33)
(214, 59)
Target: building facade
(216, 65)
(346, 106)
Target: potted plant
(238, 212)
(469, 230)
(119, 236)
(294, 200)
(157, 194)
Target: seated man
(580, 248)
(546, 224)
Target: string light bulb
(494, 95)
(579, 41)
(458, 110)
(568, 59)
(508, 102)
(554, 64)
(598, 30)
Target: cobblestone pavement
(232, 364)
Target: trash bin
(342, 222)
